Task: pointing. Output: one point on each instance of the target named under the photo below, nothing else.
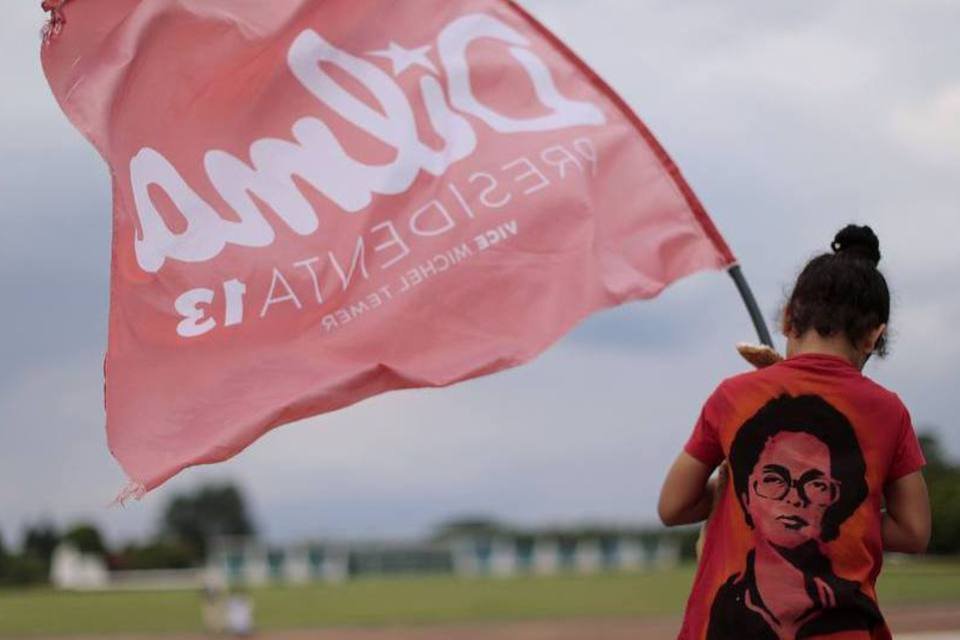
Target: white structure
(466, 562)
(666, 554)
(298, 569)
(632, 555)
(589, 558)
(75, 571)
(546, 557)
(503, 557)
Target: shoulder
(730, 599)
(880, 391)
(886, 398)
(733, 589)
(736, 392)
(732, 387)
(766, 375)
(747, 377)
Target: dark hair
(842, 292)
(816, 417)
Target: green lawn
(415, 601)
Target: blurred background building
(466, 548)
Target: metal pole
(758, 322)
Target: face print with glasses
(813, 486)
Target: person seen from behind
(822, 467)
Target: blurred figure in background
(214, 607)
(239, 614)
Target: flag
(317, 202)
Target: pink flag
(317, 202)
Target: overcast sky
(789, 120)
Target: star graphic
(403, 58)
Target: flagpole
(748, 299)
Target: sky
(788, 119)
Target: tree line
(188, 521)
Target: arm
(687, 493)
(719, 486)
(906, 524)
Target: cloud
(29, 116)
(931, 127)
(806, 70)
(55, 460)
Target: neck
(770, 556)
(836, 345)
(782, 587)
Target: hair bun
(857, 242)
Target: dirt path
(942, 618)
(902, 621)
(925, 619)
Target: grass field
(415, 601)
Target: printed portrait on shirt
(798, 473)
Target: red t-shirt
(794, 547)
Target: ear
(869, 342)
(785, 327)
